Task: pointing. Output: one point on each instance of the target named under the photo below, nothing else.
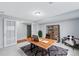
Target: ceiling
(25, 9)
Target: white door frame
(14, 43)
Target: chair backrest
(47, 36)
(35, 37)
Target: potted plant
(40, 33)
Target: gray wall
(42, 27)
(69, 27)
(35, 29)
(21, 30)
(1, 32)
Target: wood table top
(43, 42)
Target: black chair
(35, 38)
(48, 36)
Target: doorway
(28, 31)
(54, 32)
(9, 32)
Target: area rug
(54, 51)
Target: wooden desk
(43, 43)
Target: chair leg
(32, 47)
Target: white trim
(5, 34)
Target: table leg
(31, 47)
(48, 52)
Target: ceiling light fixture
(37, 13)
